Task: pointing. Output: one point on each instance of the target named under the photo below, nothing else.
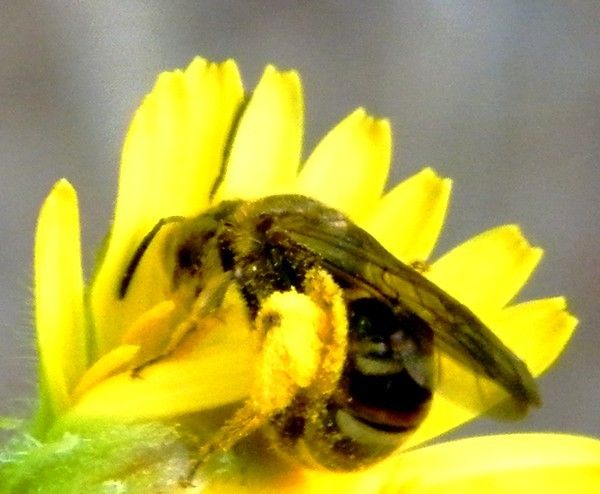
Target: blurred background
(504, 98)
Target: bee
(396, 322)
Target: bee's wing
(351, 253)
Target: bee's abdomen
(386, 402)
(383, 395)
(387, 380)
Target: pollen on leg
(289, 359)
(333, 331)
(291, 349)
(303, 347)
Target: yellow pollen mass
(291, 348)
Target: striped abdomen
(383, 395)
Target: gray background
(502, 96)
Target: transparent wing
(352, 254)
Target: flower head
(138, 345)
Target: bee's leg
(420, 266)
(284, 321)
(208, 302)
(333, 333)
(243, 423)
(304, 340)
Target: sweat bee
(396, 322)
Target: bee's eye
(186, 258)
(191, 251)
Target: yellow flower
(197, 140)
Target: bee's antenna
(140, 251)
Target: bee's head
(189, 249)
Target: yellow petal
(59, 313)
(152, 327)
(536, 331)
(514, 327)
(519, 463)
(214, 377)
(174, 149)
(108, 365)
(265, 153)
(348, 168)
(172, 155)
(408, 220)
(487, 271)
(207, 366)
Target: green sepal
(96, 458)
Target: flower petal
(536, 331)
(266, 149)
(487, 271)
(212, 378)
(109, 364)
(514, 326)
(171, 157)
(408, 219)
(208, 366)
(519, 463)
(152, 329)
(348, 168)
(59, 312)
